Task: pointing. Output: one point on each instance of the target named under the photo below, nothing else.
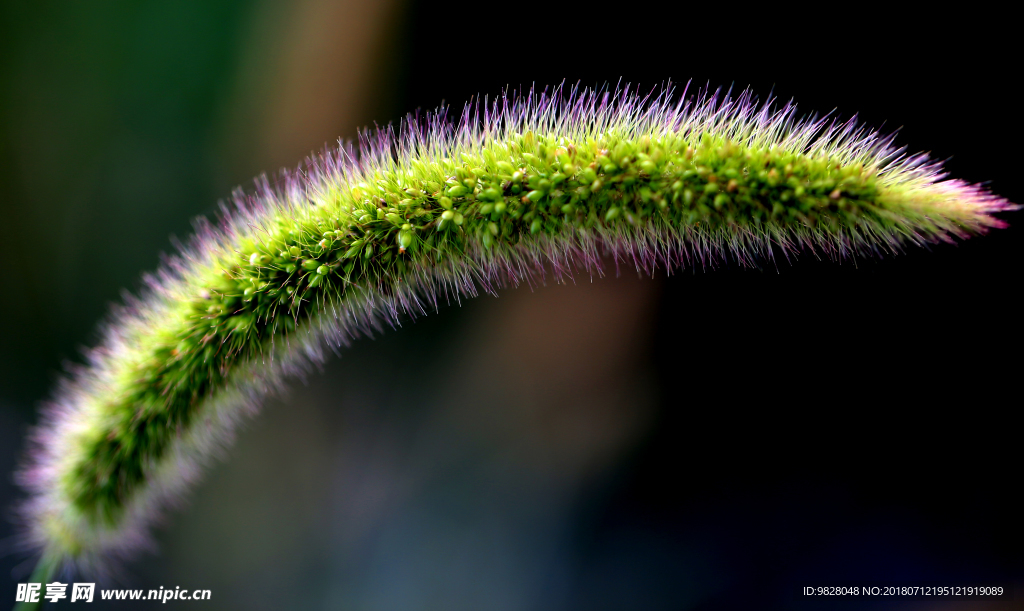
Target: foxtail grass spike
(400, 223)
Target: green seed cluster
(501, 195)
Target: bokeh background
(695, 441)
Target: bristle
(362, 235)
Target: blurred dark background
(705, 440)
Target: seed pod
(405, 239)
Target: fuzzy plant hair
(398, 223)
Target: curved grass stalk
(362, 235)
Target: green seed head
(655, 182)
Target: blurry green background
(702, 441)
